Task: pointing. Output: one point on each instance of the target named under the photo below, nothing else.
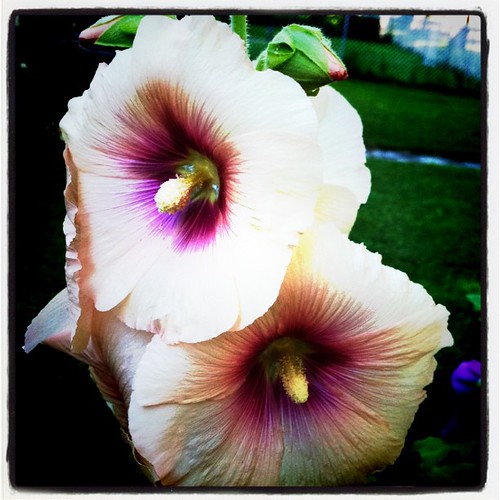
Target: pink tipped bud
(92, 33)
(336, 68)
(303, 53)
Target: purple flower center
(283, 359)
(164, 135)
(320, 342)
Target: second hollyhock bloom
(319, 391)
(194, 175)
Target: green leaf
(475, 300)
(443, 462)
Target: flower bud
(113, 31)
(302, 53)
(92, 33)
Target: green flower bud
(302, 53)
(113, 31)
(92, 33)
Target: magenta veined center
(283, 358)
(196, 179)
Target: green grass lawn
(416, 120)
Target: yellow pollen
(174, 194)
(293, 378)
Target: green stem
(239, 26)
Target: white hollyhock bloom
(195, 175)
(319, 391)
(186, 195)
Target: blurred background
(417, 82)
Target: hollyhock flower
(464, 421)
(346, 184)
(467, 377)
(194, 176)
(321, 390)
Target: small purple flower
(466, 377)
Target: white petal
(92, 118)
(279, 179)
(52, 320)
(183, 296)
(336, 205)
(258, 266)
(208, 61)
(117, 246)
(341, 139)
(149, 428)
(393, 298)
(160, 371)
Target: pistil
(293, 377)
(196, 178)
(174, 194)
